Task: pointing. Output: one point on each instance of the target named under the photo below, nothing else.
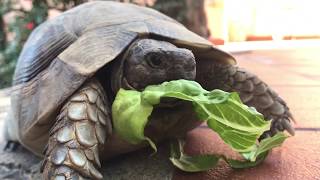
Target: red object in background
(289, 37)
(30, 25)
(216, 41)
(301, 37)
(259, 38)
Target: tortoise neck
(118, 79)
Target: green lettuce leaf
(205, 162)
(237, 124)
(130, 116)
(131, 109)
(264, 146)
(191, 163)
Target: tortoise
(72, 66)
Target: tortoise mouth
(127, 85)
(164, 102)
(169, 103)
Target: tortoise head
(151, 62)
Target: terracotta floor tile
(307, 118)
(306, 71)
(291, 67)
(298, 158)
(288, 57)
(277, 76)
(300, 97)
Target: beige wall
(234, 20)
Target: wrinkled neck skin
(118, 80)
(132, 72)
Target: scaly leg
(81, 129)
(252, 91)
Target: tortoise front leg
(77, 136)
(253, 92)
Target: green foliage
(238, 125)
(20, 27)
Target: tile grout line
(297, 129)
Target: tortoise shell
(62, 53)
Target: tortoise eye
(155, 61)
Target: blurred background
(221, 21)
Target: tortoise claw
(278, 125)
(288, 127)
(281, 124)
